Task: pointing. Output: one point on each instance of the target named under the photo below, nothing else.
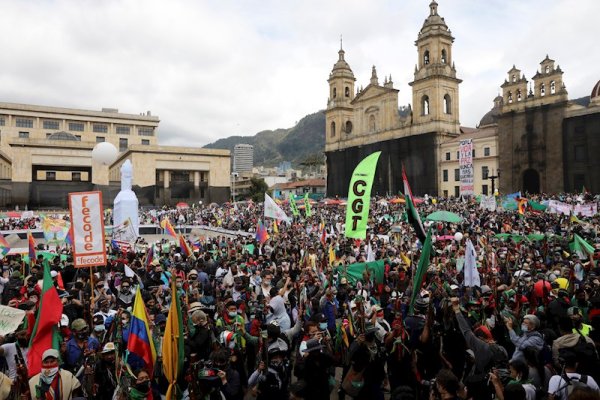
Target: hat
(79, 324)
(64, 320)
(280, 346)
(454, 287)
(370, 328)
(53, 274)
(108, 347)
(160, 318)
(193, 272)
(312, 345)
(50, 353)
(98, 319)
(195, 306)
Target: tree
(257, 190)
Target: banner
(586, 210)
(307, 210)
(359, 197)
(124, 232)
(272, 210)
(10, 319)
(488, 203)
(558, 207)
(293, 206)
(465, 162)
(87, 219)
(55, 229)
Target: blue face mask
(524, 327)
(323, 326)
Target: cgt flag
(359, 197)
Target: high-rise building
(243, 158)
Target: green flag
(537, 206)
(307, 210)
(293, 206)
(359, 197)
(582, 248)
(354, 272)
(421, 270)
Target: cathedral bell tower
(435, 86)
(338, 115)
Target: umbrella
(397, 200)
(182, 205)
(445, 216)
(13, 214)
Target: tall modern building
(243, 158)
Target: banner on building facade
(586, 210)
(465, 164)
(87, 221)
(359, 197)
(558, 207)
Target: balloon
(458, 236)
(105, 153)
(538, 288)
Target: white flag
(471, 273)
(272, 210)
(370, 254)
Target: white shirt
(558, 385)
(10, 351)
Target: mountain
(294, 144)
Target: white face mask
(48, 374)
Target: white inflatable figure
(126, 202)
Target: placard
(465, 163)
(87, 220)
(10, 319)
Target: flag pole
(92, 297)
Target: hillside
(294, 144)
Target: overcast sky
(216, 68)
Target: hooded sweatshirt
(279, 314)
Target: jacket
(528, 339)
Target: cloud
(212, 69)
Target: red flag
(323, 236)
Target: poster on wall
(465, 163)
(87, 221)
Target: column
(166, 179)
(196, 179)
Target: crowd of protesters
(281, 318)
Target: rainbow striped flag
(4, 246)
(140, 336)
(185, 247)
(261, 233)
(168, 228)
(149, 257)
(31, 243)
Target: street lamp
(493, 178)
(233, 176)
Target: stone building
(360, 121)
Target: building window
(443, 56)
(456, 174)
(372, 126)
(100, 139)
(23, 135)
(425, 105)
(145, 131)
(514, 78)
(2, 120)
(76, 126)
(486, 151)
(123, 130)
(100, 128)
(347, 92)
(76, 176)
(24, 123)
(348, 127)
(332, 129)
(510, 98)
(458, 155)
(580, 155)
(48, 135)
(445, 175)
(146, 142)
(473, 153)
(446, 193)
(456, 191)
(578, 182)
(426, 57)
(552, 87)
(447, 156)
(51, 124)
(122, 144)
(78, 137)
(484, 190)
(484, 172)
(547, 69)
(519, 95)
(447, 104)
(50, 175)
(542, 89)
(334, 93)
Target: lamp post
(493, 178)
(234, 175)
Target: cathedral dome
(491, 117)
(341, 67)
(62, 135)
(595, 91)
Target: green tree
(258, 188)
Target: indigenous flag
(421, 270)
(411, 212)
(521, 205)
(168, 228)
(149, 257)
(140, 340)
(172, 350)
(31, 243)
(69, 237)
(261, 233)
(293, 206)
(4, 246)
(185, 247)
(582, 248)
(45, 334)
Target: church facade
(360, 121)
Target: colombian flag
(31, 243)
(166, 225)
(261, 233)
(172, 350)
(4, 246)
(185, 247)
(140, 337)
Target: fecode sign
(87, 222)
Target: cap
(50, 353)
(79, 324)
(108, 347)
(53, 274)
(312, 345)
(454, 287)
(280, 346)
(64, 320)
(195, 306)
(193, 272)
(160, 318)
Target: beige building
(42, 146)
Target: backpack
(573, 383)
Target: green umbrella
(445, 216)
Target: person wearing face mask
(142, 388)
(383, 327)
(99, 331)
(529, 338)
(272, 379)
(230, 383)
(200, 343)
(105, 379)
(53, 382)
(9, 350)
(229, 319)
(79, 346)
(125, 294)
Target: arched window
(425, 105)
(510, 98)
(443, 56)
(348, 127)
(552, 87)
(447, 104)
(334, 93)
(519, 95)
(542, 89)
(332, 130)
(547, 69)
(514, 78)
(347, 91)
(372, 123)
(426, 57)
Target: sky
(215, 68)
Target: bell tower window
(547, 69)
(426, 57)
(447, 104)
(332, 130)
(425, 105)
(347, 92)
(510, 97)
(443, 56)
(334, 93)
(514, 78)
(519, 95)
(372, 123)
(552, 87)
(542, 89)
